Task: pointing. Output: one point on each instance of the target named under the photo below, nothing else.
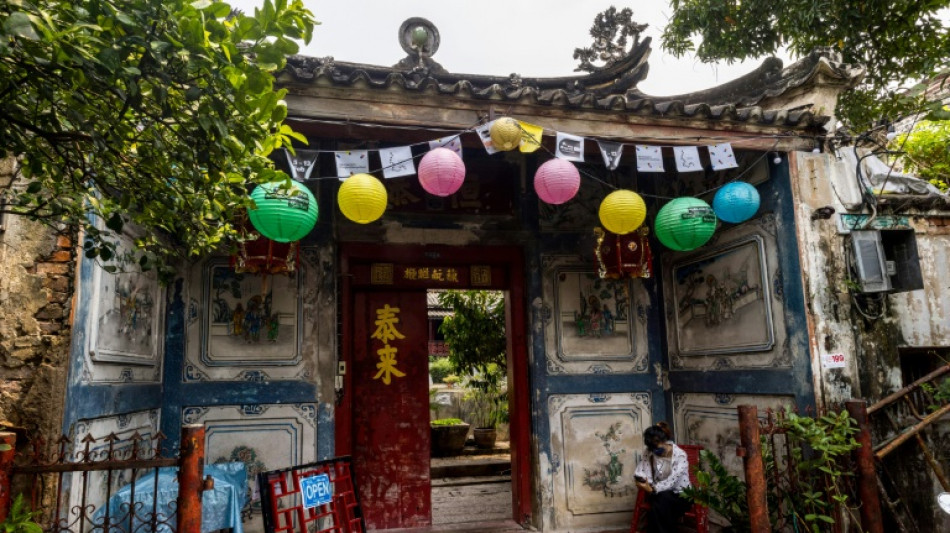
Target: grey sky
(499, 37)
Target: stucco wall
(872, 337)
(36, 285)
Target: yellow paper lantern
(622, 211)
(362, 198)
(505, 134)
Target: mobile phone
(640, 479)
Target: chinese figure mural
(252, 316)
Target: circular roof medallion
(409, 31)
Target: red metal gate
(283, 509)
(72, 483)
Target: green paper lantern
(685, 224)
(282, 214)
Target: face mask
(658, 451)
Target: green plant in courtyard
(810, 497)
(475, 332)
(488, 397)
(872, 34)
(21, 519)
(719, 490)
(154, 113)
(440, 368)
(924, 152)
(447, 422)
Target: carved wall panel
(596, 443)
(591, 325)
(264, 437)
(724, 302)
(123, 315)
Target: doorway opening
(383, 415)
(469, 406)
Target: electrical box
(886, 261)
(869, 261)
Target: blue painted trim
(84, 400)
(178, 395)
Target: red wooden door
(390, 384)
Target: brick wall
(37, 265)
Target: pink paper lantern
(441, 172)
(557, 181)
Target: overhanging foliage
(154, 112)
(899, 41)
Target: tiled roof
(756, 98)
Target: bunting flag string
(399, 161)
(683, 223)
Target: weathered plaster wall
(823, 271)
(872, 346)
(36, 287)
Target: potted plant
(448, 436)
(475, 336)
(488, 401)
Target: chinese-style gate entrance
(382, 419)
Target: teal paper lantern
(685, 224)
(736, 202)
(283, 214)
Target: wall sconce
(823, 213)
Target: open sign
(316, 490)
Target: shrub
(439, 368)
(447, 422)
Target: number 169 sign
(316, 490)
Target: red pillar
(871, 518)
(190, 468)
(7, 451)
(751, 453)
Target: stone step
(447, 468)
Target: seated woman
(663, 474)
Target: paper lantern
(557, 181)
(736, 202)
(441, 172)
(685, 224)
(362, 198)
(505, 134)
(283, 214)
(622, 212)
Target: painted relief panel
(250, 317)
(596, 443)
(725, 302)
(721, 305)
(123, 426)
(124, 321)
(591, 324)
(250, 327)
(263, 437)
(712, 420)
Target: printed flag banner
(687, 158)
(530, 137)
(351, 162)
(611, 153)
(397, 162)
(484, 133)
(722, 157)
(649, 159)
(452, 143)
(301, 163)
(570, 147)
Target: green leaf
(18, 24)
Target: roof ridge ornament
(420, 39)
(605, 29)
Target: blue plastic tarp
(220, 507)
